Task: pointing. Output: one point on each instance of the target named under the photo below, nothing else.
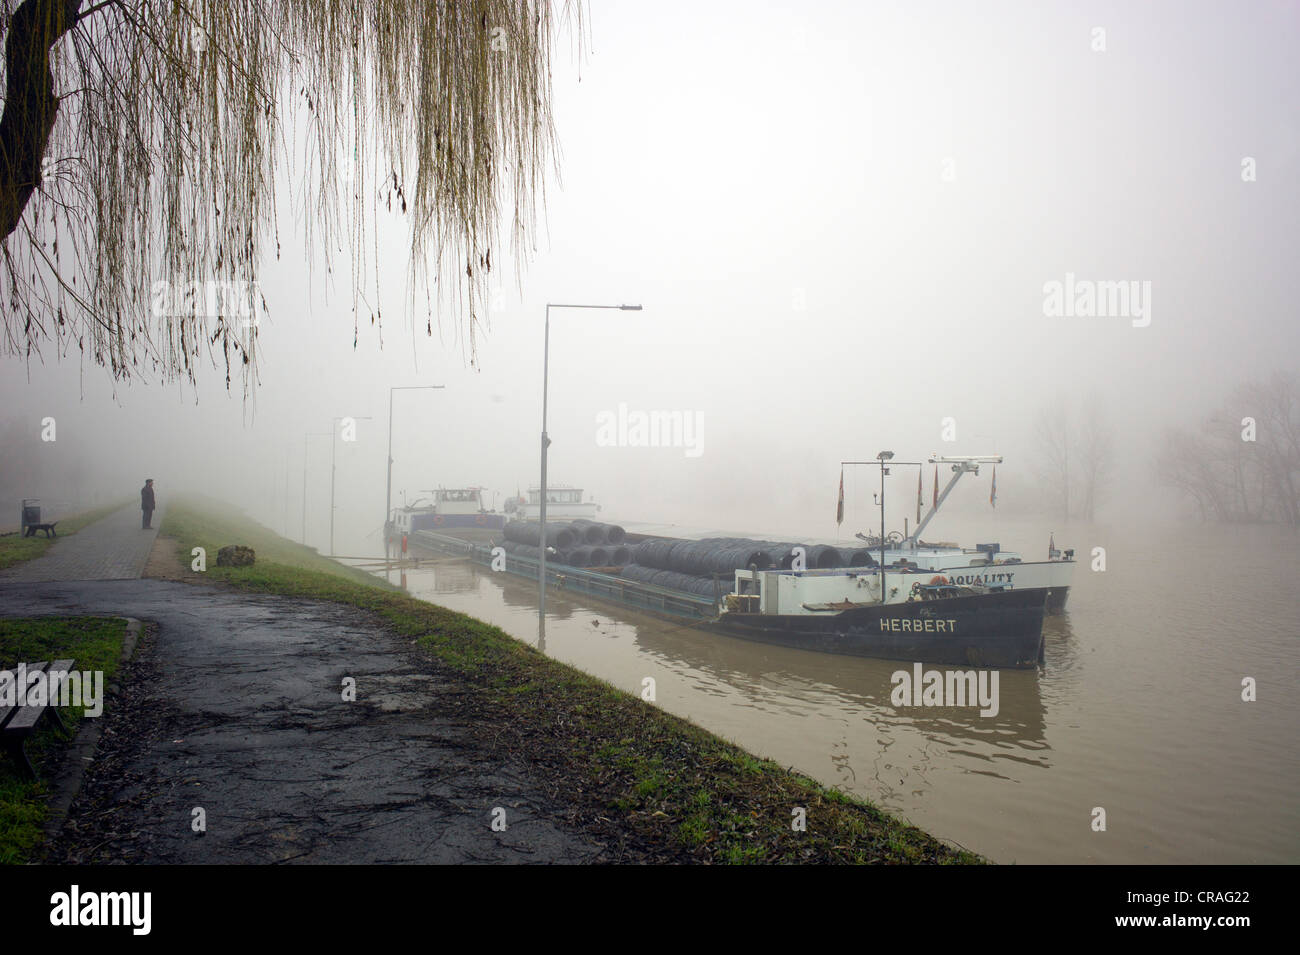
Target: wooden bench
(48, 528)
(19, 722)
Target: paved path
(113, 548)
(236, 708)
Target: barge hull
(1002, 629)
(985, 630)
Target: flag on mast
(839, 504)
(993, 491)
(918, 495)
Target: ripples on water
(1137, 708)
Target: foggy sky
(839, 218)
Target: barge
(925, 603)
(563, 503)
(830, 611)
(450, 508)
(921, 618)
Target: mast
(883, 457)
(967, 464)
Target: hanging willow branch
(139, 143)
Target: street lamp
(546, 443)
(388, 501)
(306, 435)
(884, 457)
(334, 433)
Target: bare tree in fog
(1052, 441)
(1076, 456)
(1187, 462)
(23, 467)
(1096, 455)
(138, 152)
(1278, 401)
(1243, 462)
(59, 471)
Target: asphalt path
(234, 706)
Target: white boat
(450, 508)
(562, 503)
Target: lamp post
(388, 500)
(884, 457)
(882, 461)
(546, 443)
(286, 492)
(306, 435)
(334, 433)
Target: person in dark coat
(146, 503)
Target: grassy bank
(636, 776)
(15, 549)
(95, 643)
(210, 524)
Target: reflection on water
(1136, 709)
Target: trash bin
(31, 513)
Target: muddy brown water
(1137, 709)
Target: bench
(19, 722)
(48, 528)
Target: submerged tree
(140, 139)
(1052, 438)
(1242, 464)
(1096, 456)
(1076, 455)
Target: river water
(1137, 709)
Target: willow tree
(140, 142)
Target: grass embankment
(203, 522)
(95, 643)
(15, 549)
(634, 774)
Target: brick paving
(114, 548)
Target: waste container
(31, 513)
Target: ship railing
(867, 571)
(631, 593)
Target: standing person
(146, 503)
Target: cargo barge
(837, 610)
(898, 598)
(449, 508)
